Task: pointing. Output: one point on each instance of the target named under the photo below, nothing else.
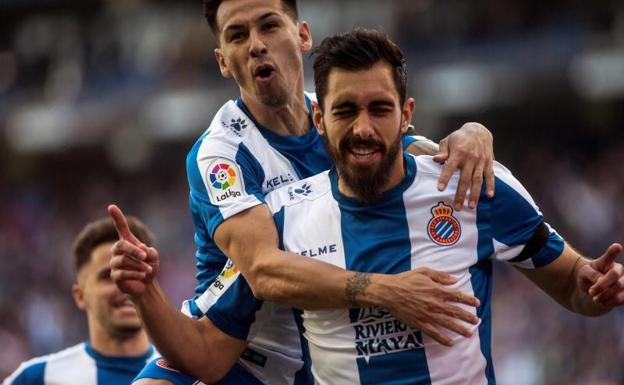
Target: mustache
(353, 140)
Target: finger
(464, 183)
(608, 294)
(439, 276)
(443, 152)
(616, 300)
(127, 275)
(121, 224)
(124, 247)
(446, 174)
(588, 276)
(453, 295)
(603, 283)
(458, 313)
(604, 262)
(434, 333)
(475, 185)
(490, 179)
(451, 324)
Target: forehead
(100, 258)
(362, 85)
(233, 12)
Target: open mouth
(264, 71)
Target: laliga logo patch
(224, 181)
(443, 228)
(165, 365)
(222, 176)
(225, 279)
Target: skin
(362, 103)
(115, 328)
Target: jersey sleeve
(27, 374)
(224, 180)
(518, 231)
(409, 139)
(232, 307)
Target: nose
(257, 48)
(363, 126)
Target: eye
(269, 26)
(236, 36)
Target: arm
(568, 280)
(469, 149)
(188, 344)
(417, 297)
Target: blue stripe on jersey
(252, 172)
(514, 222)
(513, 219)
(407, 140)
(481, 279)
(303, 376)
(117, 369)
(278, 218)
(237, 296)
(237, 375)
(306, 153)
(32, 375)
(376, 239)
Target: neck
(131, 346)
(290, 119)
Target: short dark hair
(103, 231)
(212, 6)
(358, 50)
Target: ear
(317, 116)
(406, 114)
(305, 36)
(225, 72)
(78, 295)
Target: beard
(366, 182)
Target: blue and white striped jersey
(413, 225)
(79, 365)
(230, 169)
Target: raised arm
(469, 150)
(196, 347)
(583, 286)
(418, 298)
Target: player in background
(118, 347)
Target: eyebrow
(374, 103)
(259, 19)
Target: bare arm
(416, 297)
(569, 278)
(188, 344)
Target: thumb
(605, 261)
(121, 224)
(443, 152)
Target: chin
(126, 329)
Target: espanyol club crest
(443, 228)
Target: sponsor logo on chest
(277, 181)
(377, 332)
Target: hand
(469, 149)
(608, 285)
(420, 299)
(133, 265)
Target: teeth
(362, 151)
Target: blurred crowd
(100, 100)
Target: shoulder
(229, 127)
(32, 372)
(305, 190)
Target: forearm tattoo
(356, 285)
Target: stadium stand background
(100, 100)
